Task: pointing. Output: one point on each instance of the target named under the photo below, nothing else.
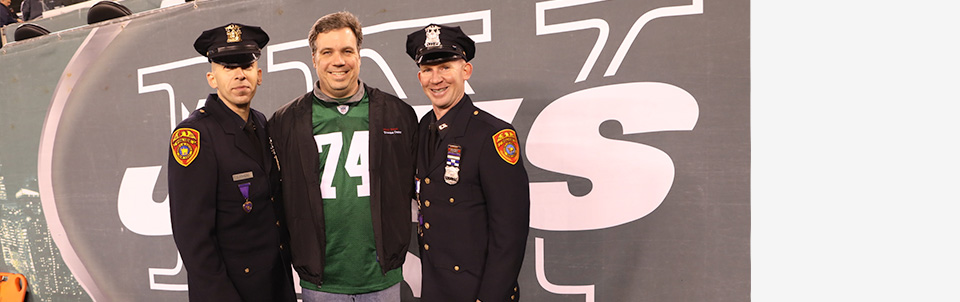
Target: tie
(251, 130)
(432, 140)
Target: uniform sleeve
(193, 202)
(506, 190)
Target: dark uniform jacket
(393, 126)
(474, 232)
(230, 254)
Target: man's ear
(211, 80)
(467, 71)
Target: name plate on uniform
(242, 176)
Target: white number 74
(355, 163)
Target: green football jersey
(341, 132)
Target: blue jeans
(391, 294)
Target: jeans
(390, 294)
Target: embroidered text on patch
(507, 145)
(185, 144)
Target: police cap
(439, 43)
(232, 45)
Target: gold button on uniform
(426, 247)
(427, 180)
(512, 297)
(451, 199)
(456, 268)
(246, 270)
(426, 203)
(515, 288)
(281, 246)
(278, 222)
(426, 225)
(475, 112)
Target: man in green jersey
(347, 155)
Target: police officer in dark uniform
(474, 195)
(223, 181)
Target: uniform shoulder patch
(507, 145)
(185, 144)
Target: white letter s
(630, 180)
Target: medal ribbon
(245, 190)
(453, 157)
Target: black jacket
(393, 126)
(474, 229)
(231, 252)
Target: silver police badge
(451, 175)
(433, 36)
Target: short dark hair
(334, 21)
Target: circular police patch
(511, 149)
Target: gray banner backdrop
(633, 116)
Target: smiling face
(235, 85)
(337, 61)
(443, 83)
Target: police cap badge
(439, 43)
(232, 45)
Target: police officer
(222, 181)
(474, 197)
